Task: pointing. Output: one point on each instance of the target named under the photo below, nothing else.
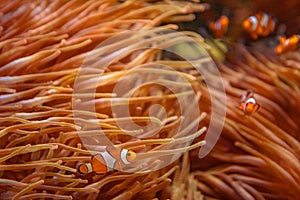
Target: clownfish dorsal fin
(111, 149)
(114, 151)
(249, 92)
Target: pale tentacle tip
(59, 162)
(55, 146)
(172, 140)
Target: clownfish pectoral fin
(254, 36)
(256, 107)
(118, 166)
(260, 30)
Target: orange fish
(219, 27)
(112, 158)
(287, 44)
(248, 103)
(260, 24)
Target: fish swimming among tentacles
(219, 27)
(288, 44)
(260, 24)
(112, 159)
(248, 103)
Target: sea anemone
(44, 46)
(76, 76)
(257, 156)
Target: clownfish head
(127, 156)
(224, 21)
(123, 156)
(294, 40)
(219, 27)
(130, 156)
(250, 23)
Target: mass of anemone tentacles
(43, 44)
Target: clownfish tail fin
(257, 106)
(84, 168)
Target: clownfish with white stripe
(258, 25)
(112, 159)
(219, 27)
(288, 44)
(248, 103)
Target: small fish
(112, 158)
(248, 103)
(288, 44)
(260, 24)
(219, 27)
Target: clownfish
(248, 103)
(219, 27)
(260, 24)
(112, 158)
(288, 44)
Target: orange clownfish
(219, 27)
(248, 103)
(287, 44)
(112, 158)
(260, 24)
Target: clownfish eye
(131, 156)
